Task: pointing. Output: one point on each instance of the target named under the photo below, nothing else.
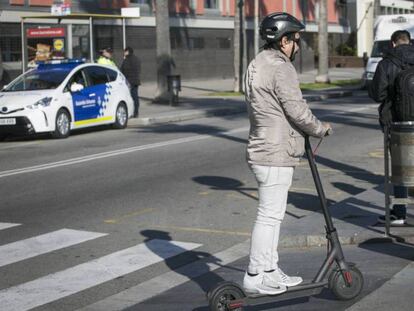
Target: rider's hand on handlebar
(328, 128)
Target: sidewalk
(197, 98)
(355, 219)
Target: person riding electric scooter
(280, 120)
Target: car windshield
(39, 80)
(380, 47)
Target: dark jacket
(131, 68)
(382, 88)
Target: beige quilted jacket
(279, 116)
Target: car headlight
(44, 102)
(369, 75)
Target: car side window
(112, 74)
(77, 78)
(97, 75)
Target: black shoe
(394, 220)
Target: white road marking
(166, 281)
(70, 281)
(42, 244)
(113, 153)
(6, 225)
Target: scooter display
(344, 278)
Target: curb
(312, 98)
(185, 116)
(191, 115)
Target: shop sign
(58, 45)
(45, 32)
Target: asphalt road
(78, 217)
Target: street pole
(256, 27)
(322, 76)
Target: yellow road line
(204, 230)
(377, 154)
(138, 213)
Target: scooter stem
(318, 184)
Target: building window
(11, 49)
(223, 43)
(211, 4)
(196, 43)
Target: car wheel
(62, 128)
(121, 116)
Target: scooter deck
(298, 290)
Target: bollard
(174, 87)
(402, 153)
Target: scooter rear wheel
(221, 295)
(341, 289)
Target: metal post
(23, 46)
(123, 34)
(69, 46)
(91, 39)
(387, 180)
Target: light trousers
(273, 186)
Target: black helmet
(274, 26)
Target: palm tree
(323, 50)
(239, 45)
(164, 59)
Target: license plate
(8, 121)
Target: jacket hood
(402, 54)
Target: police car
(60, 96)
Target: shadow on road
(402, 250)
(174, 263)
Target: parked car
(385, 25)
(60, 96)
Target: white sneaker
(279, 277)
(257, 285)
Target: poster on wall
(45, 43)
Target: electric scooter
(345, 280)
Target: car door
(98, 91)
(83, 100)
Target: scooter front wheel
(346, 289)
(220, 297)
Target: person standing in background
(105, 57)
(131, 68)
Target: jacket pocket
(296, 144)
(261, 172)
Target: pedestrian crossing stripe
(42, 244)
(7, 225)
(81, 277)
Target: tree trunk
(239, 45)
(323, 76)
(164, 59)
(256, 26)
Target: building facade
(362, 15)
(201, 32)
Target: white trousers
(274, 183)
